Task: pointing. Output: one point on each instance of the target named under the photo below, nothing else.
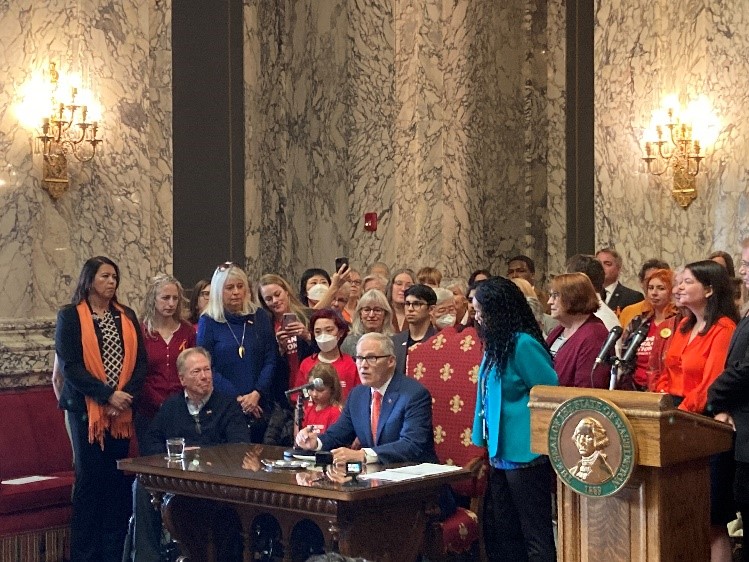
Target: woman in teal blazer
(515, 359)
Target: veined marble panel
(297, 125)
(27, 349)
(641, 57)
(120, 203)
(556, 95)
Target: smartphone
(339, 263)
(288, 318)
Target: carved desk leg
(189, 526)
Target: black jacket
(79, 383)
(730, 391)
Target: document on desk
(410, 472)
(27, 480)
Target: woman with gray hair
(239, 336)
(373, 314)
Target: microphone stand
(299, 411)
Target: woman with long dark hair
(103, 360)
(515, 359)
(199, 298)
(695, 358)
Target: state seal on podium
(592, 446)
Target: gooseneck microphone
(614, 335)
(316, 383)
(634, 344)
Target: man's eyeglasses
(414, 304)
(370, 359)
(355, 282)
(372, 310)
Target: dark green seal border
(626, 437)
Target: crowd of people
(240, 346)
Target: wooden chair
(448, 365)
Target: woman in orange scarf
(103, 359)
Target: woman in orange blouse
(696, 357)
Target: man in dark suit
(401, 431)
(420, 301)
(200, 415)
(617, 295)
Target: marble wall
(640, 56)
(119, 204)
(410, 109)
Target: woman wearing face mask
(329, 330)
(444, 313)
(311, 277)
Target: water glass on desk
(175, 448)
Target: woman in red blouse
(656, 311)
(695, 358)
(329, 331)
(165, 334)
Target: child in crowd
(324, 407)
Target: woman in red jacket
(695, 358)
(166, 334)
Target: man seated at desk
(390, 413)
(200, 415)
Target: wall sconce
(677, 140)
(66, 119)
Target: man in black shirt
(199, 415)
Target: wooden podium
(662, 513)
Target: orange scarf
(120, 426)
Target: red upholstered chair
(448, 365)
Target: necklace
(240, 351)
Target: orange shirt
(690, 367)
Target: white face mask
(446, 321)
(326, 342)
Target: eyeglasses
(355, 282)
(414, 304)
(554, 295)
(226, 265)
(370, 359)
(376, 310)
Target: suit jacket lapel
(388, 401)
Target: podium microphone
(634, 344)
(608, 345)
(316, 383)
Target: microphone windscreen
(318, 383)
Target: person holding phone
(290, 319)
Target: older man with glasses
(390, 413)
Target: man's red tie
(376, 405)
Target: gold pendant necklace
(240, 351)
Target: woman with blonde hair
(575, 343)
(239, 336)
(290, 325)
(373, 314)
(165, 335)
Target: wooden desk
(379, 520)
